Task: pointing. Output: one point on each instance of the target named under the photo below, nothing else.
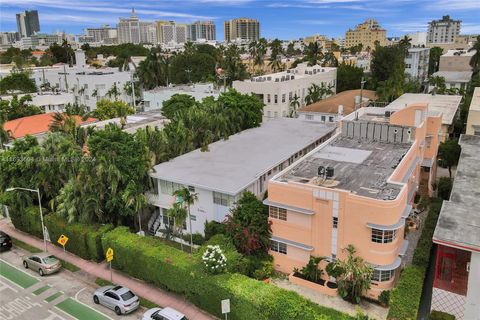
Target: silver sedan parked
(44, 263)
(119, 299)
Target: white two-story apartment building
(244, 162)
(276, 90)
(87, 84)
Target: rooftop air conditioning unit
(293, 77)
(330, 172)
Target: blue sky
(279, 18)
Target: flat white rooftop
(454, 76)
(231, 165)
(451, 53)
(445, 104)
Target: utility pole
(361, 92)
(133, 94)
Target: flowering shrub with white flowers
(214, 260)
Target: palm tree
(113, 91)
(330, 60)
(187, 199)
(405, 42)
(314, 94)
(136, 200)
(95, 93)
(356, 276)
(294, 104)
(313, 53)
(179, 215)
(189, 48)
(439, 84)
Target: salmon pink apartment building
(356, 188)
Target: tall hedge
(27, 220)
(405, 297)
(151, 260)
(84, 240)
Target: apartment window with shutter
(222, 199)
(278, 213)
(278, 247)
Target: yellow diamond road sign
(63, 240)
(109, 254)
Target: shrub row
(28, 221)
(178, 272)
(84, 240)
(405, 298)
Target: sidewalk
(101, 270)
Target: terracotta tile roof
(345, 98)
(34, 125)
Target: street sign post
(109, 257)
(226, 307)
(63, 241)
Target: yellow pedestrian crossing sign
(109, 254)
(63, 240)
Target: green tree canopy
(17, 82)
(434, 59)
(349, 77)
(449, 153)
(18, 108)
(176, 104)
(248, 225)
(107, 109)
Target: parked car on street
(119, 299)
(5, 241)
(44, 263)
(163, 314)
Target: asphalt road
(24, 295)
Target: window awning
(392, 266)
(407, 211)
(291, 208)
(403, 248)
(395, 226)
(293, 243)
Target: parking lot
(64, 295)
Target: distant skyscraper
(105, 34)
(171, 32)
(366, 34)
(443, 31)
(202, 30)
(242, 28)
(132, 30)
(28, 23)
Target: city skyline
(299, 19)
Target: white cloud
(455, 5)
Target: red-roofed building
(35, 125)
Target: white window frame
(279, 247)
(383, 236)
(383, 275)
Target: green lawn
(24, 246)
(53, 297)
(79, 311)
(69, 266)
(41, 290)
(19, 277)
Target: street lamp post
(40, 208)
